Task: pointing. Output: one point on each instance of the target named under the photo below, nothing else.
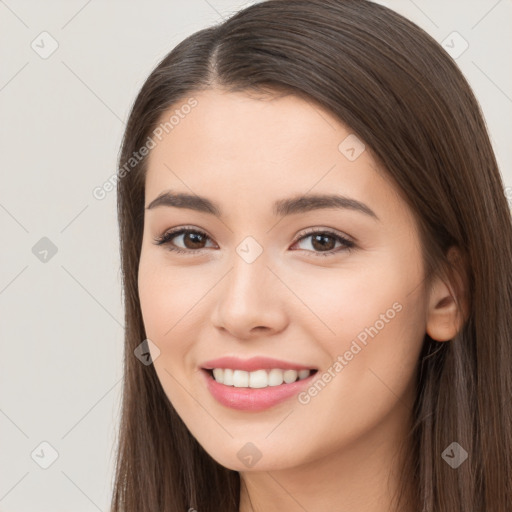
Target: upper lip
(252, 364)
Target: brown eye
(192, 240)
(323, 243)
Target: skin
(340, 450)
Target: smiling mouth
(259, 378)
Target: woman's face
(274, 269)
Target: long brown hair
(398, 90)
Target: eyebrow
(281, 208)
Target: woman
(316, 249)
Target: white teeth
(258, 378)
(290, 376)
(303, 374)
(228, 377)
(240, 379)
(275, 377)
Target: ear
(447, 301)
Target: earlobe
(446, 317)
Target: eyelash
(166, 238)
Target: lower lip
(254, 399)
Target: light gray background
(62, 118)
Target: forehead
(224, 122)
(256, 147)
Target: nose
(250, 300)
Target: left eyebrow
(301, 204)
(281, 208)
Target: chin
(247, 456)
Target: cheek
(372, 313)
(152, 298)
(166, 295)
(379, 320)
(342, 302)
(172, 300)
(165, 298)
